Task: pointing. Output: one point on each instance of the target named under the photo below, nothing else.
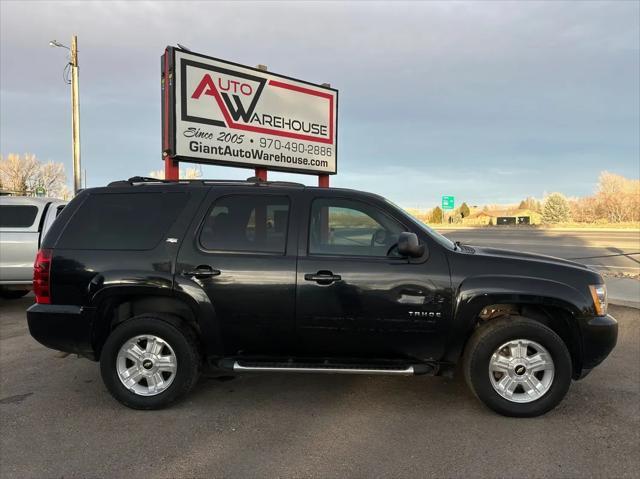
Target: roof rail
(254, 180)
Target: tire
(530, 396)
(169, 351)
(13, 293)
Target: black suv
(156, 279)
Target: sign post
(219, 112)
(171, 166)
(448, 203)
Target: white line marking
(612, 267)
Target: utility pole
(75, 116)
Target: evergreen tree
(464, 210)
(436, 215)
(556, 209)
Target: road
(609, 251)
(59, 421)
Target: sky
(488, 101)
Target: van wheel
(517, 366)
(148, 362)
(13, 293)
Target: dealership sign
(219, 112)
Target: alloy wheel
(146, 365)
(521, 371)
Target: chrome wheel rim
(146, 365)
(521, 371)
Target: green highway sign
(40, 191)
(448, 202)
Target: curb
(624, 302)
(536, 228)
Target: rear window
(127, 221)
(17, 216)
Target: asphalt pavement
(57, 420)
(609, 251)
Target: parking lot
(59, 421)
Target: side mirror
(408, 245)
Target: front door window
(351, 228)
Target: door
(19, 235)
(243, 255)
(357, 297)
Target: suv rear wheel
(148, 362)
(517, 366)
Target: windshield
(443, 240)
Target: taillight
(41, 277)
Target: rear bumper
(599, 337)
(63, 327)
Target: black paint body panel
(260, 305)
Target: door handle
(323, 277)
(202, 271)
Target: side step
(291, 367)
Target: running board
(326, 369)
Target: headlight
(599, 295)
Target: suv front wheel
(148, 362)
(517, 366)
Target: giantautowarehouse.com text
(255, 154)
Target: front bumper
(599, 337)
(63, 327)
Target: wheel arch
(556, 305)
(116, 304)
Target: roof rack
(254, 180)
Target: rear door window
(17, 216)
(249, 223)
(123, 221)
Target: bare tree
(186, 174)
(18, 172)
(51, 176)
(585, 210)
(530, 203)
(22, 174)
(618, 197)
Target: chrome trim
(393, 372)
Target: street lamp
(75, 109)
(56, 43)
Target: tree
(464, 210)
(21, 175)
(436, 215)
(618, 197)
(556, 209)
(585, 210)
(530, 203)
(186, 174)
(52, 178)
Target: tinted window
(17, 216)
(127, 221)
(247, 223)
(351, 228)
